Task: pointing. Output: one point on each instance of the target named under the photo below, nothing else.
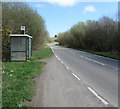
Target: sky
(61, 16)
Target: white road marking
(99, 56)
(62, 62)
(52, 50)
(67, 67)
(81, 56)
(100, 98)
(75, 76)
(92, 60)
(58, 58)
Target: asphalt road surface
(58, 87)
(100, 74)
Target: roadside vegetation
(16, 14)
(45, 52)
(99, 37)
(18, 79)
(18, 82)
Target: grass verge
(18, 80)
(45, 52)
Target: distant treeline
(101, 35)
(16, 14)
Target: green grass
(45, 52)
(18, 82)
(18, 79)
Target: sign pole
(23, 29)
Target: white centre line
(81, 56)
(75, 76)
(100, 98)
(92, 60)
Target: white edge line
(58, 58)
(67, 67)
(98, 62)
(101, 99)
(52, 50)
(62, 62)
(75, 76)
(56, 55)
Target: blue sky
(60, 16)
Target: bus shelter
(20, 47)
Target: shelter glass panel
(18, 56)
(18, 43)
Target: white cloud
(39, 6)
(90, 8)
(63, 2)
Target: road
(57, 87)
(99, 73)
(73, 78)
